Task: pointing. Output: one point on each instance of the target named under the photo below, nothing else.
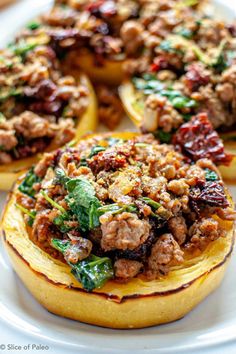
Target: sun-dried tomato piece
(211, 193)
(42, 90)
(197, 139)
(196, 76)
(232, 29)
(102, 8)
(107, 161)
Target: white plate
(211, 327)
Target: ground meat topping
(165, 252)
(80, 249)
(202, 233)
(124, 231)
(126, 268)
(38, 104)
(178, 228)
(134, 204)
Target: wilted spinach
(92, 272)
(27, 185)
(164, 137)
(83, 203)
(148, 84)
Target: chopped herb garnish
(61, 177)
(27, 185)
(60, 220)
(218, 62)
(114, 141)
(96, 149)
(164, 137)
(81, 200)
(52, 202)
(33, 25)
(152, 203)
(187, 117)
(153, 86)
(60, 245)
(186, 33)
(13, 92)
(83, 161)
(211, 175)
(31, 214)
(93, 272)
(116, 209)
(168, 46)
(22, 48)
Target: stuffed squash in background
(42, 107)
(188, 67)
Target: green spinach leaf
(83, 203)
(27, 185)
(93, 272)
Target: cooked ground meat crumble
(187, 66)
(140, 204)
(38, 104)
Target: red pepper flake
(159, 63)
(197, 139)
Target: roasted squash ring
(136, 304)
(87, 122)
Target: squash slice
(110, 72)
(135, 304)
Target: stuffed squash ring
(95, 36)
(42, 107)
(149, 112)
(182, 72)
(122, 231)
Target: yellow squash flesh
(229, 172)
(110, 72)
(129, 101)
(87, 122)
(136, 304)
